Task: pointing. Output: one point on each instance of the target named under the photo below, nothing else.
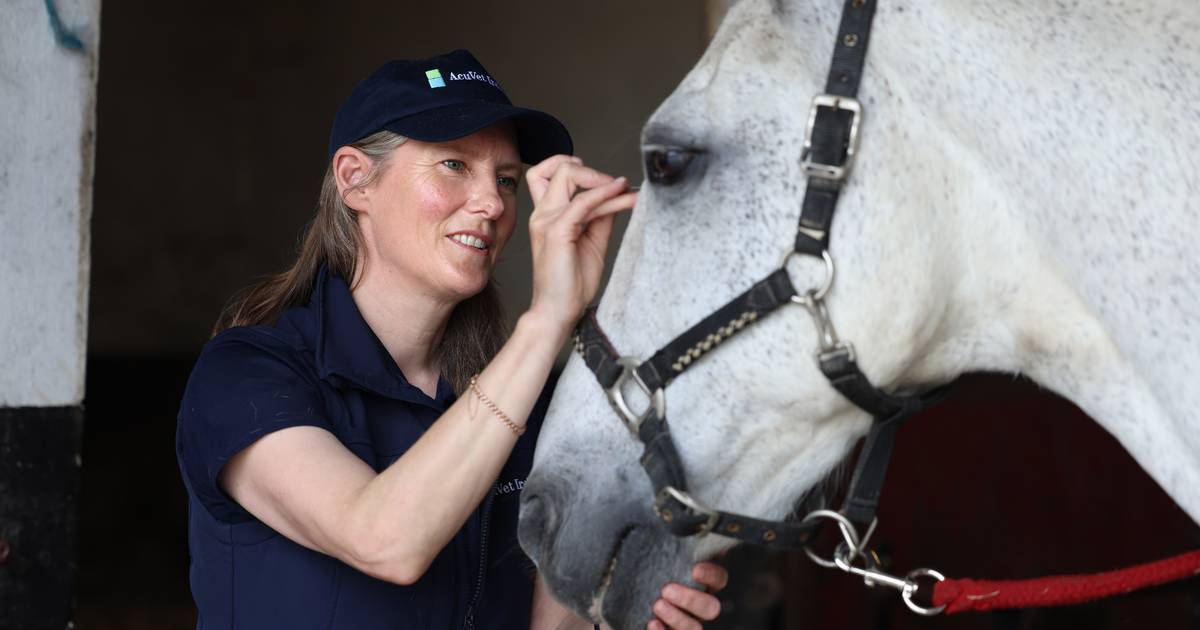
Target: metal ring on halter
(658, 400)
(844, 556)
(910, 589)
(820, 292)
(691, 503)
(849, 536)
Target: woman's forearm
(409, 512)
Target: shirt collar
(347, 348)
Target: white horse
(1026, 198)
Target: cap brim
(539, 135)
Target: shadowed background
(212, 127)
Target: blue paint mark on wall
(65, 38)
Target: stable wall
(47, 126)
(48, 54)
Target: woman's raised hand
(572, 220)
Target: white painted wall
(47, 128)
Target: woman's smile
(475, 242)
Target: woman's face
(440, 213)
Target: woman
(354, 437)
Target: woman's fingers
(611, 206)
(569, 231)
(594, 243)
(568, 178)
(598, 225)
(673, 617)
(685, 607)
(545, 169)
(711, 575)
(694, 602)
(538, 176)
(589, 203)
(574, 219)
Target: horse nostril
(539, 518)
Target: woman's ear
(350, 168)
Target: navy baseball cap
(439, 99)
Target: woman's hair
(477, 328)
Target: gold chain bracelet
(512, 426)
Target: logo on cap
(471, 75)
(435, 78)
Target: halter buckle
(658, 400)
(688, 501)
(833, 172)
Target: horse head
(940, 268)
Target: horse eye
(666, 165)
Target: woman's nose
(486, 201)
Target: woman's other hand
(683, 608)
(569, 230)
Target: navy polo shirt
(321, 365)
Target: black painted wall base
(39, 487)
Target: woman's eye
(454, 165)
(507, 183)
(665, 165)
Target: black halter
(830, 144)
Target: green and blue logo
(435, 78)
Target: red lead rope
(966, 595)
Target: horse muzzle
(608, 559)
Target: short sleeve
(245, 385)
